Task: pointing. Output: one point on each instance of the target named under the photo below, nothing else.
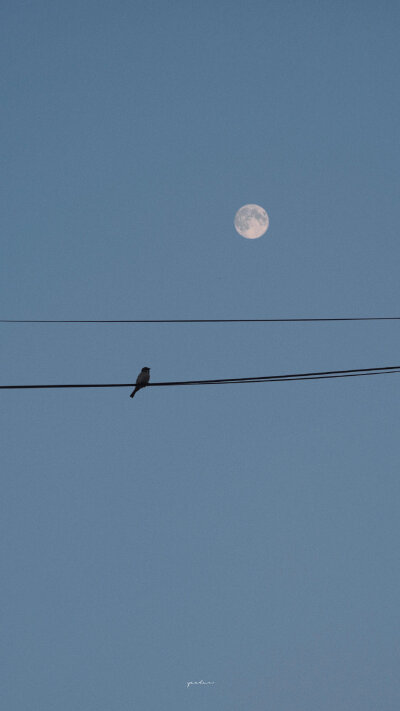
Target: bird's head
(145, 370)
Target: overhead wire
(202, 320)
(290, 377)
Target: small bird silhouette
(141, 380)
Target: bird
(141, 380)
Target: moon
(251, 221)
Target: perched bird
(141, 380)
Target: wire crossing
(289, 377)
(204, 320)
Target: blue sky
(246, 535)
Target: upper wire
(206, 320)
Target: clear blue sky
(246, 535)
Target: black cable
(261, 378)
(207, 320)
(323, 375)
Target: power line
(290, 377)
(205, 320)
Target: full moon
(251, 221)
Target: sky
(246, 535)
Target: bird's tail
(133, 392)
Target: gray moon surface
(251, 221)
